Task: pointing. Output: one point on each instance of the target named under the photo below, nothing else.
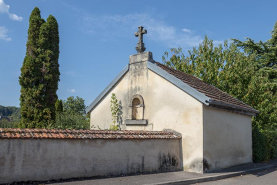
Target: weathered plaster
(227, 138)
(166, 107)
(170, 108)
(48, 159)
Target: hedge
(264, 144)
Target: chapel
(215, 127)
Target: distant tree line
(70, 114)
(10, 116)
(10, 111)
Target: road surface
(268, 177)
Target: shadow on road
(262, 173)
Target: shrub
(264, 144)
(258, 145)
(71, 121)
(270, 143)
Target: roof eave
(251, 112)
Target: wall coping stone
(16, 133)
(136, 122)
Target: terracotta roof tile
(13, 133)
(210, 91)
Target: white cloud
(5, 9)
(121, 25)
(3, 34)
(186, 30)
(15, 17)
(71, 90)
(109, 27)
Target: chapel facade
(216, 128)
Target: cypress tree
(29, 79)
(40, 72)
(49, 56)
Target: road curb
(215, 177)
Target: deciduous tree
(238, 73)
(73, 114)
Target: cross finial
(140, 45)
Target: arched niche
(137, 107)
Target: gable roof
(218, 98)
(200, 90)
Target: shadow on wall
(119, 114)
(181, 144)
(168, 163)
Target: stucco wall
(166, 107)
(227, 138)
(171, 108)
(46, 159)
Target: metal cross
(140, 45)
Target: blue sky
(97, 37)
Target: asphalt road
(268, 177)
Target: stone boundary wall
(42, 155)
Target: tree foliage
(71, 114)
(265, 61)
(40, 72)
(220, 66)
(59, 106)
(49, 56)
(9, 116)
(74, 105)
(238, 73)
(70, 121)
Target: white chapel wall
(227, 138)
(166, 108)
